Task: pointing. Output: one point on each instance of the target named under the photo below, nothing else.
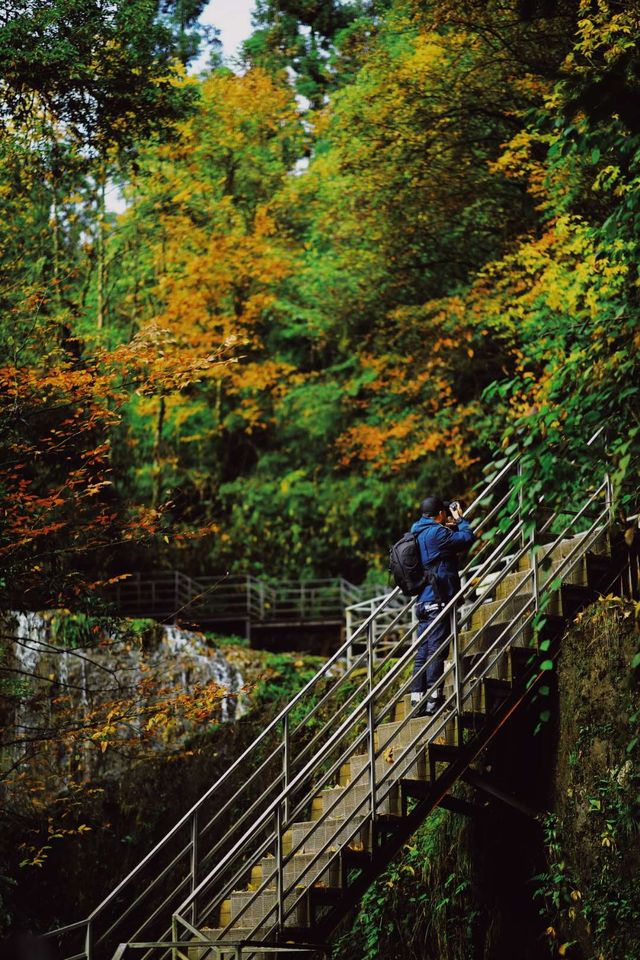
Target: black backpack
(407, 569)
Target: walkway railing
(173, 594)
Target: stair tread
(412, 728)
(242, 933)
(235, 933)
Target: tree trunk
(54, 174)
(157, 452)
(100, 245)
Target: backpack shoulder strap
(430, 560)
(430, 570)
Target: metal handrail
(334, 738)
(578, 549)
(290, 781)
(581, 547)
(361, 708)
(186, 818)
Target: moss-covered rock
(590, 887)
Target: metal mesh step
(313, 836)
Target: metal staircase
(276, 852)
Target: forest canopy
(397, 240)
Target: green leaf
(546, 665)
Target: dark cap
(430, 506)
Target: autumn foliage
(306, 314)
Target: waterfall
(30, 631)
(104, 662)
(211, 664)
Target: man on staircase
(442, 535)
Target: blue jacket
(442, 543)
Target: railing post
(608, 495)
(457, 676)
(194, 864)
(279, 872)
(520, 499)
(286, 761)
(174, 937)
(371, 724)
(535, 584)
(261, 599)
(349, 631)
(88, 941)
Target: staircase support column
(371, 725)
(194, 863)
(535, 579)
(279, 870)
(609, 495)
(520, 502)
(285, 764)
(174, 938)
(456, 670)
